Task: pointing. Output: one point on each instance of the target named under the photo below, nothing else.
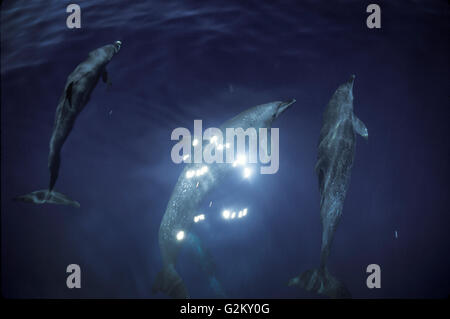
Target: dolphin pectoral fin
(322, 282)
(105, 79)
(216, 287)
(44, 196)
(105, 76)
(170, 283)
(320, 172)
(205, 260)
(69, 93)
(360, 127)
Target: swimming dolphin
(77, 91)
(334, 162)
(190, 192)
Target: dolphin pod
(77, 91)
(187, 195)
(336, 152)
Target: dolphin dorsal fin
(360, 127)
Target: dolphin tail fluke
(321, 282)
(44, 196)
(169, 282)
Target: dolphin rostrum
(334, 162)
(77, 91)
(190, 192)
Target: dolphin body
(334, 162)
(77, 91)
(186, 197)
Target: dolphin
(336, 151)
(190, 192)
(77, 91)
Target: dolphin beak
(283, 106)
(351, 80)
(117, 45)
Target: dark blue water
(186, 60)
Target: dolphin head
(280, 108)
(108, 51)
(341, 103)
(346, 89)
(264, 115)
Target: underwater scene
(225, 149)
